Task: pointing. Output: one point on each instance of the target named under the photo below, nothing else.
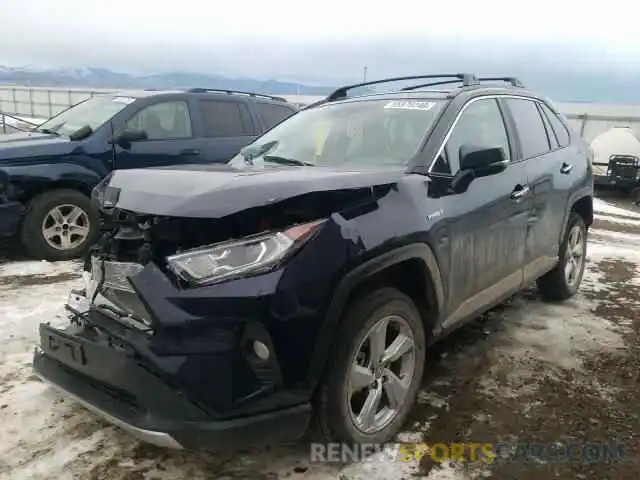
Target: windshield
(93, 113)
(362, 134)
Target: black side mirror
(125, 138)
(477, 162)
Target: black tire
(554, 285)
(332, 416)
(635, 196)
(39, 207)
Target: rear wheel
(375, 372)
(564, 280)
(59, 225)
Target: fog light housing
(261, 350)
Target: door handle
(190, 151)
(519, 192)
(566, 168)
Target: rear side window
(226, 118)
(559, 128)
(530, 126)
(273, 114)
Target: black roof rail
(466, 78)
(512, 80)
(236, 92)
(432, 84)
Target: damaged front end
(192, 326)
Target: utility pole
(364, 74)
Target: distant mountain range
(566, 86)
(104, 78)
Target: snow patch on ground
(601, 206)
(44, 436)
(41, 268)
(622, 220)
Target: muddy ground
(529, 371)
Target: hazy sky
(320, 40)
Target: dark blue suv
(305, 279)
(48, 174)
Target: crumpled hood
(216, 191)
(23, 145)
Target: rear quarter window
(559, 128)
(273, 114)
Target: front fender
(330, 329)
(31, 179)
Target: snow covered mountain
(104, 78)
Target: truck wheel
(635, 196)
(60, 225)
(375, 371)
(564, 280)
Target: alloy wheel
(65, 227)
(381, 374)
(574, 256)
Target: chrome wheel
(574, 256)
(65, 227)
(382, 370)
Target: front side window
(480, 125)
(92, 113)
(359, 134)
(163, 121)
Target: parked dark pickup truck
(46, 176)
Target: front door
(487, 223)
(170, 139)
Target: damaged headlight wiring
(254, 254)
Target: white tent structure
(621, 140)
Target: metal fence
(40, 103)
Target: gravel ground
(528, 371)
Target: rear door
(227, 125)
(170, 137)
(487, 223)
(549, 160)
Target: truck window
(163, 121)
(226, 118)
(273, 114)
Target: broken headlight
(229, 259)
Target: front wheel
(375, 372)
(564, 280)
(60, 225)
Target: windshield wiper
(286, 161)
(48, 131)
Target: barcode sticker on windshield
(126, 100)
(410, 105)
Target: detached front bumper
(116, 383)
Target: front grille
(623, 168)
